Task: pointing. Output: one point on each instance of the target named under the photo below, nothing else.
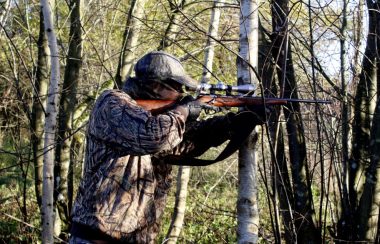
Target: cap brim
(187, 81)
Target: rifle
(232, 96)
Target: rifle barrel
(296, 100)
(237, 101)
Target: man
(127, 167)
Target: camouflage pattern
(126, 179)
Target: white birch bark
(180, 205)
(4, 10)
(247, 205)
(47, 211)
(210, 46)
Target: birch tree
(50, 128)
(178, 216)
(211, 41)
(185, 171)
(5, 5)
(247, 205)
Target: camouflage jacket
(126, 178)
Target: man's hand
(193, 105)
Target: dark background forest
(316, 166)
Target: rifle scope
(205, 88)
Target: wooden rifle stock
(157, 106)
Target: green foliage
(210, 212)
(14, 221)
(209, 226)
(8, 229)
(15, 232)
(10, 172)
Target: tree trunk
(4, 9)
(173, 26)
(302, 205)
(210, 45)
(282, 194)
(50, 128)
(130, 41)
(368, 209)
(66, 112)
(180, 205)
(184, 171)
(345, 205)
(319, 125)
(283, 185)
(38, 108)
(247, 204)
(365, 101)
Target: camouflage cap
(160, 65)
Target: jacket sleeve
(118, 121)
(202, 135)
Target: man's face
(167, 90)
(154, 89)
